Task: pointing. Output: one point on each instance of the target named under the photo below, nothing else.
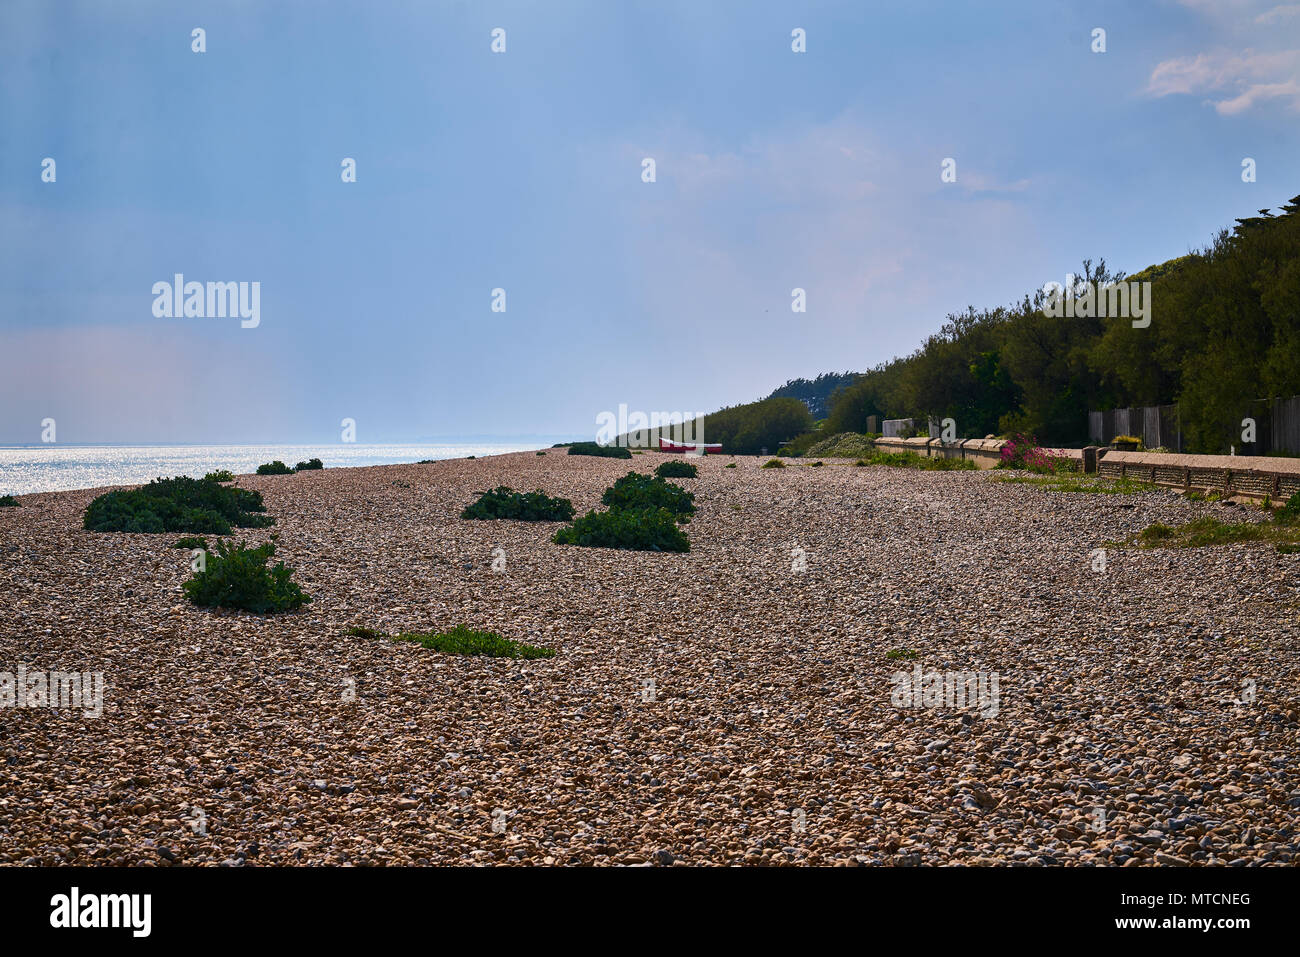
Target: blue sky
(522, 170)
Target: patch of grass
(635, 491)
(274, 468)
(540, 452)
(237, 577)
(358, 631)
(646, 530)
(220, 475)
(1288, 548)
(730, 465)
(602, 451)
(773, 464)
(846, 445)
(463, 640)
(861, 462)
(676, 468)
(8, 501)
(191, 541)
(910, 654)
(910, 460)
(1206, 531)
(504, 503)
(1289, 514)
(310, 465)
(1074, 482)
(1156, 533)
(181, 504)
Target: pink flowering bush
(1024, 452)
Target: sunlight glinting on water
(54, 468)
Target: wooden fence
(1277, 426)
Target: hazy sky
(522, 170)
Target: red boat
(690, 448)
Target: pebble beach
(735, 704)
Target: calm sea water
(55, 468)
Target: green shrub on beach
(310, 465)
(181, 504)
(639, 492)
(1207, 531)
(237, 577)
(191, 541)
(1289, 514)
(502, 502)
(910, 460)
(220, 475)
(274, 468)
(639, 530)
(676, 468)
(604, 451)
(463, 640)
(773, 464)
(8, 501)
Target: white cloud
(1279, 13)
(1234, 81)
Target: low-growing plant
(909, 654)
(360, 631)
(676, 468)
(220, 475)
(1156, 533)
(773, 464)
(647, 530)
(1205, 531)
(502, 502)
(191, 541)
(1072, 482)
(1288, 548)
(237, 577)
(1023, 452)
(310, 465)
(540, 452)
(637, 491)
(463, 640)
(860, 463)
(274, 468)
(730, 465)
(910, 460)
(8, 501)
(603, 451)
(1289, 514)
(814, 465)
(181, 504)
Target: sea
(57, 468)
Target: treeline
(742, 429)
(816, 393)
(1224, 331)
